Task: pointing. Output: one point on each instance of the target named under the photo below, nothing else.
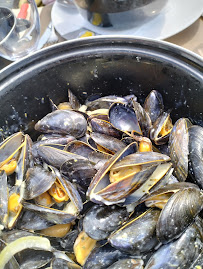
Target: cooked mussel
(196, 154)
(178, 213)
(104, 220)
(178, 148)
(180, 253)
(138, 235)
(63, 122)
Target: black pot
(107, 65)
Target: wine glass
(19, 28)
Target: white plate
(174, 17)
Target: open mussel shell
(50, 214)
(38, 180)
(154, 105)
(63, 122)
(123, 118)
(178, 213)
(138, 235)
(160, 177)
(196, 154)
(128, 263)
(161, 129)
(160, 197)
(109, 143)
(101, 180)
(10, 147)
(178, 148)
(102, 257)
(104, 220)
(180, 253)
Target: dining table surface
(190, 38)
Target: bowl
(106, 65)
(119, 13)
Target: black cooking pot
(106, 65)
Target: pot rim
(87, 41)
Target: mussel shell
(104, 102)
(138, 235)
(68, 241)
(50, 214)
(80, 172)
(56, 157)
(157, 127)
(141, 158)
(179, 212)
(33, 259)
(102, 257)
(73, 100)
(10, 145)
(38, 180)
(104, 127)
(58, 263)
(3, 199)
(128, 263)
(156, 196)
(110, 143)
(107, 166)
(32, 222)
(123, 118)
(104, 220)
(143, 118)
(63, 122)
(180, 253)
(61, 140)
(154, 105)
(196, 154)
(178, 148)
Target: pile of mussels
(109, 184)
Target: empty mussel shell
(178, 213)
